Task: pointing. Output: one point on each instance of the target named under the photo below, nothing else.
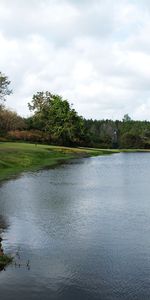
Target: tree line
(55, 121)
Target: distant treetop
(4, 87)
(126, 118)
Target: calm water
(84, 227)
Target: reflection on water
(3, 223)
(79, 231)
(1, 254)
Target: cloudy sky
(95, 53)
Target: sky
(95, 53)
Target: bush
(30, 136)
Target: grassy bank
(19, 157)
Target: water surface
(79, 231)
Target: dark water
(84, 227)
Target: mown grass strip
(19, 157)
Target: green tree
(126, 118)
(130, 140)
(4, 87)
(55, 116)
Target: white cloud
(94, 53)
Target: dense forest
(55, 121)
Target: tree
(130, 140)
(55, 116)
(9, 120)
(126, 118)
(4, 87)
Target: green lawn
(19, 157)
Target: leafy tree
(9, 120)
(130, 140)
(54, 115)
(4, 87)
(126, 118)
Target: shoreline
(17, 158)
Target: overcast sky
(95, 53)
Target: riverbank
(16, 158)
(20, 157)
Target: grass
(20, 157)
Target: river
(80, 231)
